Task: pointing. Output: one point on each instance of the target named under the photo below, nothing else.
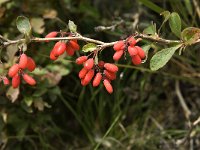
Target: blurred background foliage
(145, 110)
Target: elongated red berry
(74, 45)
(70, 50)
(81, 60)
(15, 81)
(30, 64)
(136, 60)
(101, 64)
(89, 64)
(82, 73)
(109, 75)
(28, 79)
(23, 61)
(57, 45)
(132, 41)
(120, 45)
(83, 82)
(51, 35)
(97, 79)
(132, 50)
(61, 49)
(13, 70)
(108, 86)
(111, 67)
(53, 55)
(118, 55)
(88, 77)
(141, 52)
(6, 81)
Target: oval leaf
(72, 26)
(90, 47)
(162, 57)
(190, 35)
(23, 25)
(175, 24)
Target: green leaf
(175, 24)
(90, 47)
(23, 25)
(188, 4)
(28, 100)
(60, 69)
(40, 71)
(151, 30)
(162, 57)
(190, 35)
(166, 15)
(72, 26)
(152, 6)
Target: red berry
(23, 61)
(89, 64)
(74, 45)
(30, 64)
(118, 55)
(109, 75)
(132, 50)
(83, 82)
(136, 60)
(61, 49)
(70, 50)
(82, 73)
(13, 70)
(119, 46)
(88, 77)
(51, 35)
(101, 64)
(6, 81)
(141, 52)
(97, 79)
(28, 79)
(52, 55)
(108, 86)
(81, 60)
(111, 67)
(15, 81)
(132, 41)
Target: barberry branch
(7, 42)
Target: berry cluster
(17, 70)
(137, 53)
(61, 46)
(97, 72)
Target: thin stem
(103, 45)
